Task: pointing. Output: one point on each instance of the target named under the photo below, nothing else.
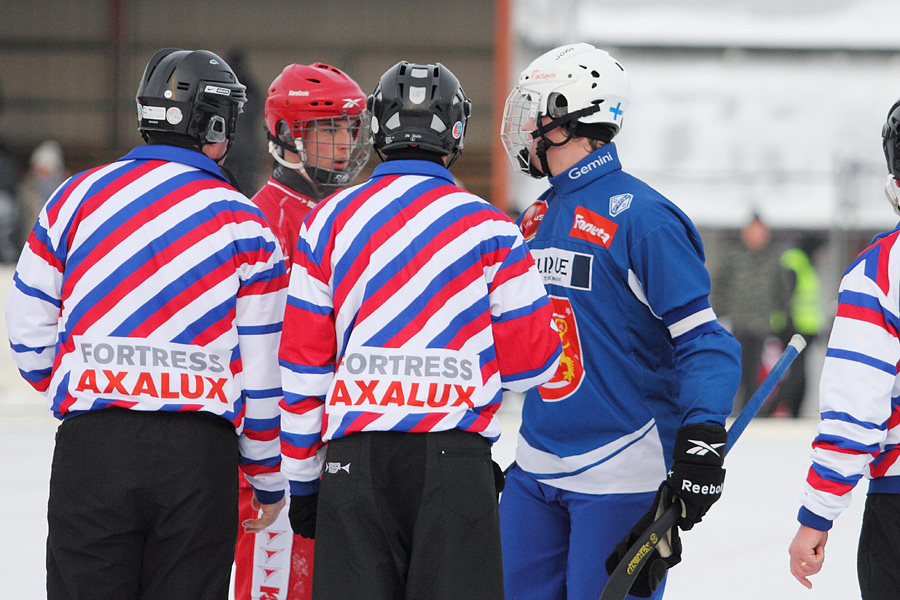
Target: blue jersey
(643, 353)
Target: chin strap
(543, 144)
(276, 147)
(892, 192)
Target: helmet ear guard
(216, 130)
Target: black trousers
(143, 505)
(879, 548)
(408, 516)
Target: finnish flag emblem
(618, 204)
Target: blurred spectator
(751, 294)
(46, 171)
(244, 159)
(9, 212)
(804, 317)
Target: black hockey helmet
(419, 106)
(193, 93)
(890, 135)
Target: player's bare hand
(267, 515)
(807, 552)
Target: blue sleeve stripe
(673, 316)
(300, 440)
(265, 462)
(36, 375)
(291, 399)
(864, 359)
(22, 348)
(267, 393)
(832, 475)
(259, 329)
(306, 369)
(35, 293)
(262, 424)
(851, 298)
(308, 306)
(811, 519)
(833, 415)
(859, 299)
(847, 444)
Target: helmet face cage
(520, 119)
(332, 150)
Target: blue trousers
(555, 542)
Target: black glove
(302, 515)
(656, 564)
(499, 478)
(698, 474)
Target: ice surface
(739, 552)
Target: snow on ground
(739, 552)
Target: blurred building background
(69, 69)
(740, 107)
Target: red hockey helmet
(318, 112)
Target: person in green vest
(804, 317)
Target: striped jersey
(859, 391)
(412, 304)
(151, 284)
(643, 352)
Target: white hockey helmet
(578, 86)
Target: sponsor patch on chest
(563, 267)
(591, 227)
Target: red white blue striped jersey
(412, 304)
(151, 284)
(859, 391)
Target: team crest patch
(619, 204)
(592, 227)
(570, 373)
